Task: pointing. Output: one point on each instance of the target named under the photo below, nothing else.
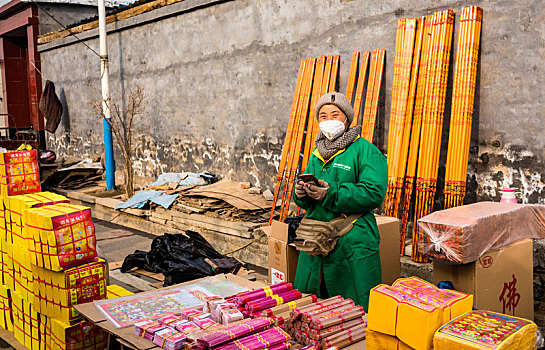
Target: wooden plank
(154, 275)
(238, 225)
(131, 280)
(185, 224)
(115, 265)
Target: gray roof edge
(141, 19)
(109, 3)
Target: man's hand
(317, 192)
(300, 190)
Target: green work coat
(357, 178)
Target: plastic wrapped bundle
(462, 234)
(239, 330)
(413, 310)
(280, 309)
(266, 339)
(272, 301)
(55, 293)
(345, 338)
(19, 173)
(161, 336)
(244, 298)
(486, 330)
(63, 235)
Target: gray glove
(300, 190)
(317, 192)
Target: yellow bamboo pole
(352, 75)
(293, 159)
(360, 86)
(372, 99)
(334, 73)
(289, 134)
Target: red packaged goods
(233, 332)
(463, 234)
(263, 340)
(272, 301)
(245, 297)
(345, 338)
(19, 173)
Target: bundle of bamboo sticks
(374, 84)
(432, 121)
(316, 77)
(463, 96)
(373, 94)
(420, 69)
(400, 117)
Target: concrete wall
(66, 14)
(221, 79)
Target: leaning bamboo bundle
(295, 147)
(432, 123)
(463, 96)
(373, 94)
(400, 120)
(420, 68)
(289, 134)
(312, 122)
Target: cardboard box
(389, 247)
(283, 257)
(500, 281)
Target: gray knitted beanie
(339, 100)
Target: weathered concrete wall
(222, 77)
(66, 14)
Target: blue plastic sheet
(141, 198)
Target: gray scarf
(328, 148)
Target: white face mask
(332, 128)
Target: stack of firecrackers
(49, 261)
(196, 330)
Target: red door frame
(16, 15)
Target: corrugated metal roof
(109, 3)
(115, 9)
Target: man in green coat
(353, 176)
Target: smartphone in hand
(309, 179)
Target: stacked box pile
(412, 310)
(334, 322)
(48, 261)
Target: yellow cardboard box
(26, 322)
(63, 235)
(57, 335)
(56, 292)
(115, 291)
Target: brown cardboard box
(500, 281)
(388, 229)
(283, 257)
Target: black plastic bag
(293, 224)
(181, 258)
